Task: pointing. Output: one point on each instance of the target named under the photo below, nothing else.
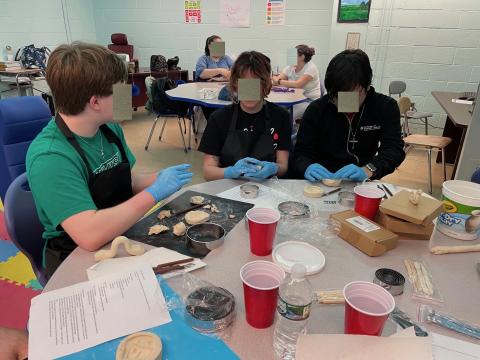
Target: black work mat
(226, 207)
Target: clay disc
(313, 191)
(141, 345)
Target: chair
(427, 142)
(169, 114)
(23, 224)
(412, 113)
(476, 176)
(120, 45)
(21, 119)
(396, 87)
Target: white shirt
(312, 88)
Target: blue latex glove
(241, 167)
(268, 169)
(170, 180)
(316, 172)
(351, 172)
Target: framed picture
(353, 11)
(353, 40)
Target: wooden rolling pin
(440, 250)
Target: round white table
(189, 92)
(453, 274)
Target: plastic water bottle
(293, 309)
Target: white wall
(430, 44)
(157, 27)
(43, 23)
(23, 22)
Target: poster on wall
(353, 11)
(275, 12)
(353, 40)
(193, 14)
(235, 13)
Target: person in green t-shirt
(79, 167)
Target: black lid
(390, 277)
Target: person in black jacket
(349, 146)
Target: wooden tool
(170, 266)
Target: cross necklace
(102, 153)
(354, 140)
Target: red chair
(120, 45)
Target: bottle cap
(298, 271)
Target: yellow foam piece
(1, 205)
(17, 269)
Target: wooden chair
(410, 112)
(427, 142)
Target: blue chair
(23, 224)
(21, 119)
(476, 176)
(167, 114)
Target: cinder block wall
(157, 27)
(430, 44)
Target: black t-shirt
(219, 123)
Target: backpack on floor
(33, 57)
(158, 63)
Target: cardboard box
(399, 206)
(404, 228)
(364, 234)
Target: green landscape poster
(353, 10)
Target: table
(189, 93)
(454, 275)
(23, 89)
(458, 119)
(138, 78)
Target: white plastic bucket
(460, 217)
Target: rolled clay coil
(132, 249)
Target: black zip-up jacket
(323, 136)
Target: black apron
(108, 188)
(240, 144)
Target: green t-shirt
(58, 176)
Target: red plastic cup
(367, 200)
(261, 280)
(262, 226)
(367, 306)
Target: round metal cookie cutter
(346, 198)
(249, 191)
(390, 280)
(293, 209)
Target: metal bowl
(210, 309)
(202, 238)
(293, 210)
(346, 198)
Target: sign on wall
(275, 14)
(235, 13)
(193, 14)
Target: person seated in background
(213, 67)
(249, 138)
(349, 145)
(303, 75)
(79, 167)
